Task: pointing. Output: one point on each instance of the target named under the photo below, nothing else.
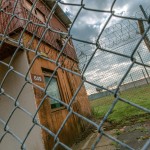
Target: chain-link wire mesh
(97, 57)
(120, 37)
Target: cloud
(119, 36)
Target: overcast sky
(105, 69)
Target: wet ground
(86, 144)
(134, 135)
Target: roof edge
(59, 12)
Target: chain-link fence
(106, 56)
(134, 79)
(120, 37)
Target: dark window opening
(59, 42)
(53, 89)
(27, 4)
(35, 11)
(40, 15)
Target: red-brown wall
(20, 20)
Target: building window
(35, 11)
(53, 90)
(27, 4)
(40, 15)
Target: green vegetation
(124, 113)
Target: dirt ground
(133, 135)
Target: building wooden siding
(68, 85)
(16, 25)
(49, 48)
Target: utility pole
(141, 27)
(144, 67)
(146, 38)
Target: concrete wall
(122, 88)
(20, 123)
(134, 84)
(98, 95)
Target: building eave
(58, 12)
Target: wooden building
(62, 86)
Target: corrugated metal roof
(59, 12)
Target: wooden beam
(10, 40)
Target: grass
(124, 113)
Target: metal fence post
(144, 67)
(145, 77)
(133, 81)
